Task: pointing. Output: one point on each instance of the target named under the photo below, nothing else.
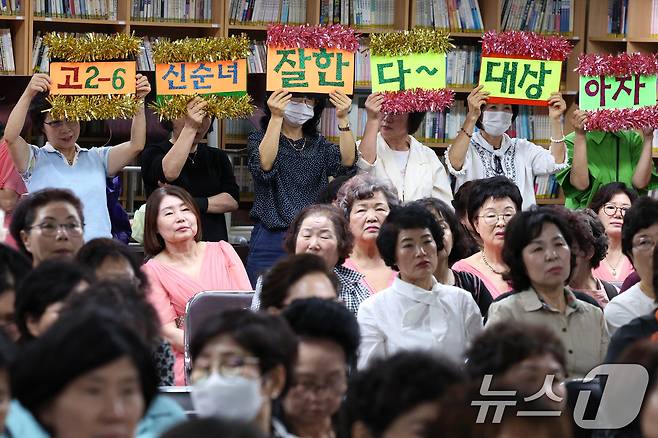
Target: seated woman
(181, 265)
(62, 163)
(112, 260)
(611, 203)
(100, 385)
(460, 203)
(48, 224)
(416, 312)
(490, 152)
(454, 249)
(539, 278)
(296, 277)
(366, 202)
(328, 342)
(14, 267)
(492, 204)
(390, 152)
(241, 363)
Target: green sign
(633, 91)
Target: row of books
(455, 15)
(543, 16)
(546, 187)
(329, 123)
(7, 65)
(362, 66)
(442, 127)
(145, 59)
(532, 123)
(237, 129)
(262, 12)
(617, 17)
(40, 58)
(10, 7)
(257, 60)
(654, 18)
(463, 66)
(172, 10)
(95, 9)
(359, 13)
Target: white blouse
(405, 317)
(520, 159)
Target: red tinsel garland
(623, 64)
(612, 120)
(522, 43)
(334, 36)
(417, 100)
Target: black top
(300, 172)
(476, 287)
(639, 328)
(207, 172)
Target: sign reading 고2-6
(87, 78)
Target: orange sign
(76, 78)
(201, 77)
(310, 70)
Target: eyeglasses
(611, 210)
(332, 386)
(50, 229)
(644, 244)
(305, 100)
(56, 124)
(492, 218)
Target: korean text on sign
(520, 81)
(78, 78)
(418, 70)
(201, 77)
(632, 91)
(310, 70)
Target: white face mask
(496, 122)
(297, 113)
(232, 397)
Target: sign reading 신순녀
(190, 78)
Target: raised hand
(278, 102)
(476, 98)
(342, 102)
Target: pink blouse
(463, 265)
(603, 272)
(171, 289)
(351, 265)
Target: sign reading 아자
(310, 70)
(222, 77)
(520, 80)
(632, 91)
(417, 70)
(86, 78)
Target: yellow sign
(520, 81)
(418, 70)
(78, 78)
(201, 77)
(310, 70)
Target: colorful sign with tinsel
(213, 68)
(311, 59)
(522, 67)
(618, 91)
(93, 76)
(410, 69)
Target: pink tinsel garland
(522, 43)
(623, 64)
(612, 120)
(417, 100)
(334, 36)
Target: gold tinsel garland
(201, 49)
(408, 42)
(221, 107)
(94, 107)
(91, 47)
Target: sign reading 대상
(631, 91)
(404, 72)
(92, 78)
(189, 78)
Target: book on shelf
(263, 12)
(463, 66)
(7, 65)
(11, 7)
(442, 127)
(145, 58)
(83, 9)
(237, 129)
(617, 17)
(40, 58)
(362, 66)
(541, 16)
(329, 122)
(193, 11)
(257, 60)
(532, 123)
(453, 15)
(546, 187)
(363, 14)
(654, 18)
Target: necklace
(486, 262)
(192, 157)
(613, 269)
(292, 144)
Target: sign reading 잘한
(86, 78)
(519, 80)
(310, 70)
(201, 77)
(417, 70)
(632, 91)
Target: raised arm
(123, 154)
(642, 174)
(346, 142)
(18, 147)
(368, 145)
(457, 154)
(269, 145)
(579, 175)
(556, 107)
(174, 160)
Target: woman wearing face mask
(241, 362)
(490, 152)
(290, 163)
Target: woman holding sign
(491, 152)
(62, 163)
